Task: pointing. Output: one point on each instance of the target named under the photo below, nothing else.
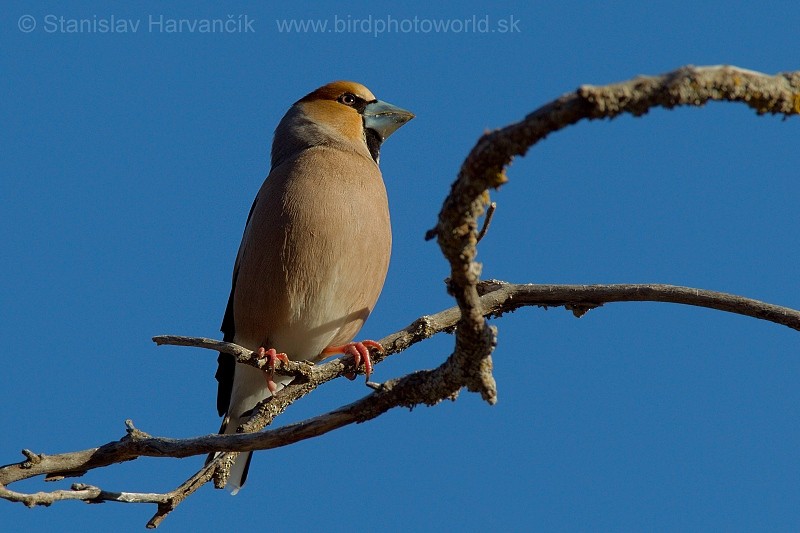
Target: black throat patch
(373, 143)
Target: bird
(315, 250)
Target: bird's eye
(347, 99)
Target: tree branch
(500, 297)
(470, 364)
(497, 297)
(484, 169)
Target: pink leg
(271, 356)
(359, 351)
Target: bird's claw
(360, 353)
(271, 356)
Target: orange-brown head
(344, 114)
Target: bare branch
(423, 387)
(499, 297)
(484, 169)
(174, 498)
(470, 364)
(243, 355)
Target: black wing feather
(226, 362)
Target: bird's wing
(226, 362)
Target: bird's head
(344, 114)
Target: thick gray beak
(385, 118)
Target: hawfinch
(315, 249)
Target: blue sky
(129, 162)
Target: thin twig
(487, 220)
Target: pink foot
(271, 356)
(359, 351)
